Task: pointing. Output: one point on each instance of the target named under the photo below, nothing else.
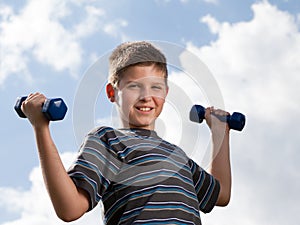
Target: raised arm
(69, 202)
(220, 166)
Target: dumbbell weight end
(197, 113)
(18, 105)
(237, 121)
(54, 109)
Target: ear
(110, 92)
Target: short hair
(134, 53)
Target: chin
(142, 126)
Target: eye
(157, 87)
(133, 85)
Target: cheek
(126, 100)
(159, 102)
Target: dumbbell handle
(236, 121)
(53, 109)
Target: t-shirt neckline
(141, 132)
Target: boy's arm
(220, 166)
(69, 202)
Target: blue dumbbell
(236, 121)
(54, 109)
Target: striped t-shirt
(142, 179)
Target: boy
(139, 177)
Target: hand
(215, 124)
(32, 108)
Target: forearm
(68, 202)
(220, 166)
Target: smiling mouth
(144, 109)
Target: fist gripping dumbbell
(54, 109)
(236, 121)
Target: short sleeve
(95, 167)
(206, 186)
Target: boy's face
(140, 96)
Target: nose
(145, 94)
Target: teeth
(145, 109)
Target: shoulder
(104, 131)
(98, 130)
(108, 135)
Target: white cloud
(88, 26)
(48, 32)
(212, 23)
(34, 206)
(256, 64)
(257, 59)
(113, 28)
(37, 30)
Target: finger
(34, 99)
(208, 111)
(220, 112)
(36, 96)
(33, 94)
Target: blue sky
(252, 49)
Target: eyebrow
(159, 83)
(162, 81)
